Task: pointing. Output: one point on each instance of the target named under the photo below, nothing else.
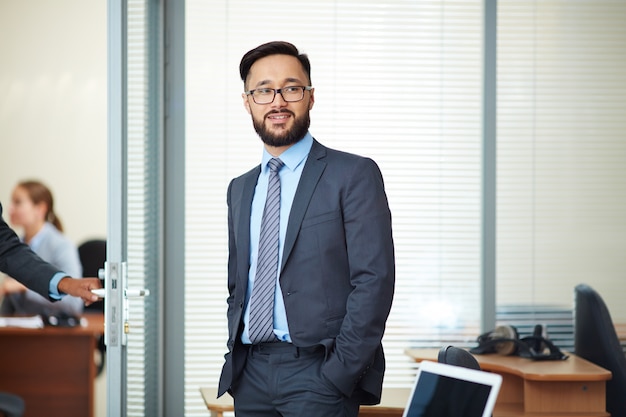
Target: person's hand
(9, 285)
(80, 288)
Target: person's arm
(57, 249)
(21, 263)
(370, 250)
(231, 314)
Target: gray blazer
(21, 263)
(339, 249)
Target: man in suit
(21, 263)
(333, 282)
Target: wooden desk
(53, 368)
(573, 387)
(391, 405)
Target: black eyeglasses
(290, 94)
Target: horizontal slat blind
(143, 215)
(561, 151)
(399, 81)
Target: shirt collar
(293, 156)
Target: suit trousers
(282, 380)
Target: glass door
(133, 269)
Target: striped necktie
(262, 299)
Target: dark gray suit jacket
(337, 273)
(21, 263)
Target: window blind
(144, 231)
(561, 194)
(396, 80)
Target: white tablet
(452, 391)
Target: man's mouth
(279, 117)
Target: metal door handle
(129, 292)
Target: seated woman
(32, 209)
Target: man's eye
(291, 89)
(263, 91)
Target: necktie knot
(275, 164)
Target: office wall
(53, 106)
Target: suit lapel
(313, 169)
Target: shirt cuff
(54, 283)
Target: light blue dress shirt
(294, 159)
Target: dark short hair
(272, 48)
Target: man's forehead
(276, 68)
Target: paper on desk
(34, 322)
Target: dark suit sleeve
(370, 250)
(21, 263)
(233, 313)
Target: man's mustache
(278, 112)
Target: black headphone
(505, 340)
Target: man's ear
(246, 103)
(312, 99)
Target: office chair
(595, 339)
(452, 355)
(92, 254)
(11, 405)
(459, 357)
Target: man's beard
(286, 137)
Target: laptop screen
(451, 391)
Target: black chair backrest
(452, 355)
(595, 339)
(93, 254)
